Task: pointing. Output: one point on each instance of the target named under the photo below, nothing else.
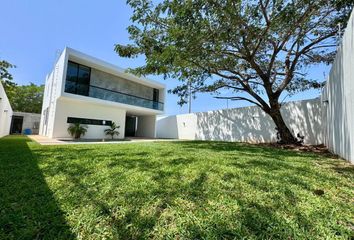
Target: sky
(34, 32)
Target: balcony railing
(115, 96)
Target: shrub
(76, 130)
(112, 130)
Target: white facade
(5, 113)
(247, 124)
(112, 96)
(338, 100)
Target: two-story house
(83, 89)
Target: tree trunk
(285, 135)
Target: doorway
(130, 126)
(16, 125)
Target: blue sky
(33, 32)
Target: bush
(76, 130)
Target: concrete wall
(52, 91)
(30, 120)
(72, 108)
(249, 124)
(146, 126)
(115, 83)
(338, 100)
(5, 113)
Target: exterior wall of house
(115, 83)
(146, 126)
(107, 76)
(52, 91)
(249, 124)
(5, 113)
(58, 104)
(30, 121)
(338, 100)
(80, 109)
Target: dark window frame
(89, 121)
(156, 95)
(76, 83)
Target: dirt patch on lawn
(319, 149)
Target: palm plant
(76, 130)
(112, 130)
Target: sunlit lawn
(171, 190)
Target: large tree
(27, 98)
(258, 47)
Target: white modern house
(83, 89)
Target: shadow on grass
(135, 190)
(133, 225)
(28, 209)
(247, 149)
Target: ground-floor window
(88, 121)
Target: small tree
(112, 130)
(76, 130)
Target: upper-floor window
(77, 79)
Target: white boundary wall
(5, 113)
(329, 120)
(248, 124)
(338, 99)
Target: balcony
(115, 96)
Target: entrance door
(16, 125)
(130, 126)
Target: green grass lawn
(171, 190)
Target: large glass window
(77, 79)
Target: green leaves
(260, 48)
(128, 51)
(5, 76)
(26, 98)
(76, 130)
(112, 130)
(233, 40)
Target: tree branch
(241, 98)
(305, 49)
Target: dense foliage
(258, 49)
(5, 76)
(26, 98)
(23, 98)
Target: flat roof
(109, 68)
